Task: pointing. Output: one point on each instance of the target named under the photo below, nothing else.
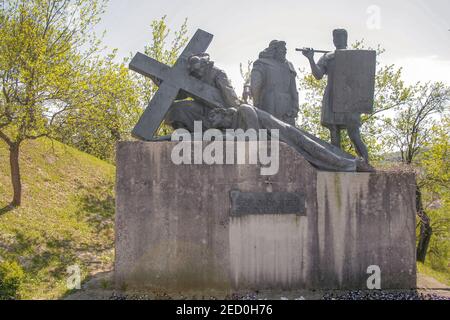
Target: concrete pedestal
(175, 230)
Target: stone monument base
(200, 227)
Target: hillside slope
(66, 218)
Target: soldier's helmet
(340, 36)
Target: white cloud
(425, 69)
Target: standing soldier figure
(337, 121)
(273, 86)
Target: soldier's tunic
(183, 113)
(274, 89)
(329, 117)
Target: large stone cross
(173, 80)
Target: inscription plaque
(253, 203)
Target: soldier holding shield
(350, 89)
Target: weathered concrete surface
(363, 220)
(174, 230)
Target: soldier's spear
(309, 49)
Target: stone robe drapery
(321, 154)
(274, 89)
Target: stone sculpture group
(196, 90)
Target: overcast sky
(415, 33)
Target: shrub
(11, 278)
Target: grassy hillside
(66, 218)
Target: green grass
(443, 277)
(66, 218)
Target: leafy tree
(41, 67)
(164, 50)
(119, 95)
(96, 125)
(434, 183)
(410, 128)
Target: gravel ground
(384, 295)
(328, 296)
(98, 289)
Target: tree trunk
(426, 231)
(15, 174)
